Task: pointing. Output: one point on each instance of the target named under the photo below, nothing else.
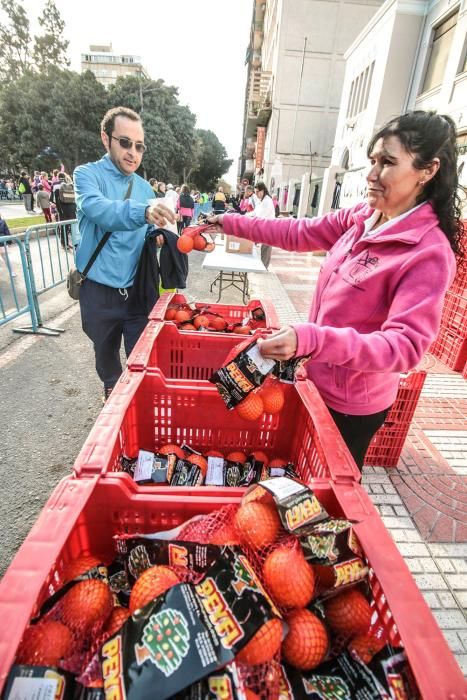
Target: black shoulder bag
(76, 278)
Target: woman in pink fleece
(378, 300)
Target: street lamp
(143, 92)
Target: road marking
(25, 343)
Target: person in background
(5, 231)
(264, 209)
(110, 196)
(379, 296)
(171, 195)
(275, 201)
(25, 190)
(247, 202)
(43, 202)
(65, 200)
(153, 183)
(45, 182)
(218, 202)
(54, 178)
(160, 190)
(185, 207)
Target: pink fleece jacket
(378, 300)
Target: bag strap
(104, 238)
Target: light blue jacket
(100, 189)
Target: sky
(199, 47)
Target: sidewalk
(423, 502)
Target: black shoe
(107, 391)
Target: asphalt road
(50, 397)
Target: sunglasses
(127, 144)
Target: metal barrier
(47, 253)
(16, 296)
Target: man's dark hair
(108, 122)
(23, 173)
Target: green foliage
(31, 127)
(18, 53)
(212, 161)
(50, 48)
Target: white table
(233, 268)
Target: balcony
(249, 148)
(260, 97)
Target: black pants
(186, 221)
(105, 317)
(358, 431)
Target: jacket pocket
(351, 385)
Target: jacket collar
(410, 230)
(112, 168)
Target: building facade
(411, 55)
(295, 72)
(108, 66)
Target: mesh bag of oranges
(266, 598)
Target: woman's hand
(279, 346)
(159, 215)
(216, 219)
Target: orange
(225, 535)
(241, 330)
(86, 604)
(264, 645)
(117, 618)
(306, 643)
(185, 244)
(150, 585)
(200, 462)
(182, 315)
(188, 327)
(366, 646)
(250, 695)
(214, 453)
(80, 565)
(288, 577)
(199, 242)
(217, 323)
(172, 449)
(257, 523)
(258, 494)
(273, 398)
(236, 457)
(201, 321)
(348, 613)
(45, 644)
(170, 313)
(250, 408)
(260, 457)
(277, 462)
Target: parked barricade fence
(205, 208)
(38, 264)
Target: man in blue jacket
(111, 197)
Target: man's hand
(159, 215)
(279, 346)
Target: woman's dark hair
(426, 136)
(262, 188)
(185, 189)
(160, 186)
(152, 181)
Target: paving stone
(401, 510)
(448, 550)
(395, 523)
(450, 619)
(415, 566)
(375, 489)
(413, 549)
(462, 598)
(413, 536)
(389, 488)
(462, 661)
(430, 581)
(386, 510)
(387, 498)
(457, 581)
(447, 600)
(454, 642)
(374, 478)
(446, 566)
(431, 599)
(460, 565)
(429, 566)
(443, 529)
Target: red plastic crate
(454, 315)
(146, 411)
(450, 348)
(231, 312)
(82, 515)
(386, 446)
(180, 354)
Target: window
(440, 46)
(352, 89)
(463, 64)
(359, 91)
(372, 68)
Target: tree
(212, 161)
(15, 41)
(18, 53)
(50, 48)
(33, 130)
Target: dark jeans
(266, 251)
(27, 199)
(358, 431)
(105, 317)
(186, 221)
